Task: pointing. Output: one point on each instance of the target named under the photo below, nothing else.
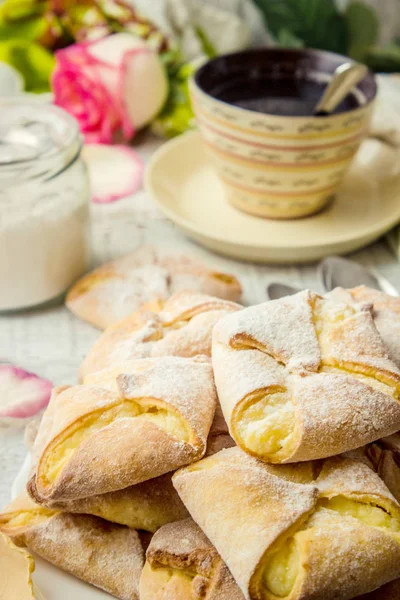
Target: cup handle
(390, 137)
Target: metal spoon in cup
(345, 77)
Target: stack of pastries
(214, 452)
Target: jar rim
(37, 139)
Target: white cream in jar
(44, 204)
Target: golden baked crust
(219, 437)
(303, 378)
(379, 299)
(386, 313)
(146, 506)
(102, 441)
(182, 564)
(384, 455)
(182, 326)
(46, 424)
(117, 289)
(87, 547)
(323, 530)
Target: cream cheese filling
(282, 564)
(61, 452)
(168, 582)
(28, 517)
(266, 426)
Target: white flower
(221, 25)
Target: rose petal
(22, 394)
(110, 51)
(78, 88)
(143, 86)
(114, 171)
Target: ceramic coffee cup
(278, 165)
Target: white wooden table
(52, 342)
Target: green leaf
(317, 23)
(362, 29)
(177, 115)
(286, 39)
(33, 62)
(207, 46)
(29, 30)
(22, 19)
(13, 10)
(386, 60)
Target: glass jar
(44, 203)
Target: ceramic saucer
(185, 187)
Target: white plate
(49, 582)
(187, 190)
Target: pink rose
(115, 85)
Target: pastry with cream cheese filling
(304, 377)
(103, 554)
(148, 505)
(179, 326)
(118, 288)
(323, 530)
(182, 564)
(385, 311)
(103, 441)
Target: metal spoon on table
(276, 290)
(336, 271)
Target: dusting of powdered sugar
(131, 339)
(327, 356)
(183, 383)
(150, 273)
(283, 327)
